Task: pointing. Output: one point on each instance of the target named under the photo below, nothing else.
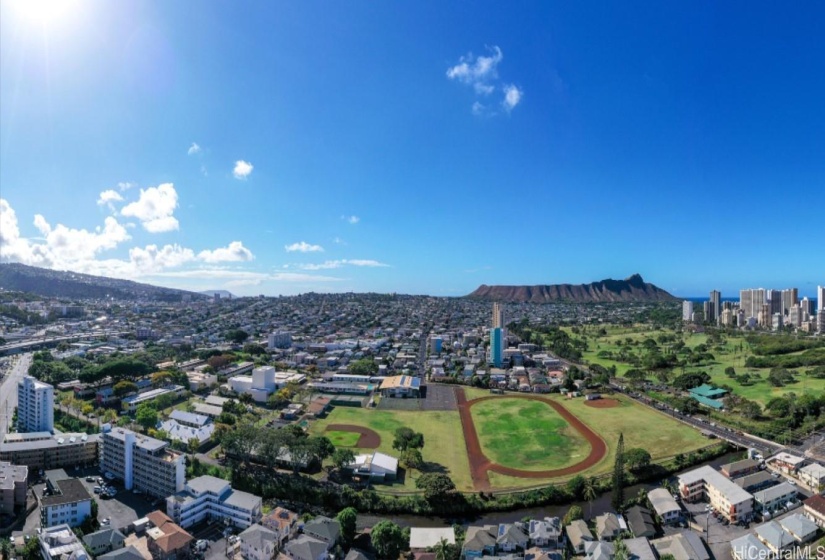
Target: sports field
(443, 439)
(343, 439)
(445, 448)
(526, 434)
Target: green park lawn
(732, 353)
(443, 439)
(343, 439)
(527, 434)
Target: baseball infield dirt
(602, 403)
(369, 438)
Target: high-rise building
(687, 310)
(775, 300)
(715, 307)
(790, 297)
(498, 317)
(820, 314)
(807, 306)
(726, 318)
(497, 346)
(35, 406)
(751, 301)
(795, 316)
(142, 462)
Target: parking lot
(121, 510)
(434, 397)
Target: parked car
(98, 490)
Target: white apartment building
(142, 462)
(263, 382)
(279, 339)
(724, 496)
(68, 502)
(213, 499)
(35, 406)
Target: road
(8, 391)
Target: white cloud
(242, 169)
(62, 247)
(234, 252)
(351, 219)
(365, 262)
(481, 73)
(154, 208)
(327, 265)
(108, 198)
(303, 247)
(151, 259)
(512, 97)
(477, 71)
(193, 149)
(125, 186)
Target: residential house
(756, 481)
(307, 548)
(324, 529)
(128, 553)
(640, 549)
(786, 462)
(429, 537)
(165, 539)
(258, 543)
(536, 553)
(774, 536)
(814, 509)
(813, 476)
(511, 537)
(748, 547)
(607, 526)
(546, 533)
(60, 543)
(103, 541)
(665, 506)
(480, 540)
(578, 534)
(598, 550)
(685, 545)
(774, 498)
(800, 527)
(283, 522)
(640, 522)
(739, 468)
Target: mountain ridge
(631, 289)
(65, 284)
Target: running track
(480, 464)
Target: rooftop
(711, 476)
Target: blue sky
(415, 147)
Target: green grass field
(732, 353)
(527, 435)
(343, 439)
(642, 427)
(443, 439)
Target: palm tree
(441, 549)
(589, 492)
(620, 550)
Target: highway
(8, 391)
(36, 342)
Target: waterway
(600, 505)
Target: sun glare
(48, 13)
